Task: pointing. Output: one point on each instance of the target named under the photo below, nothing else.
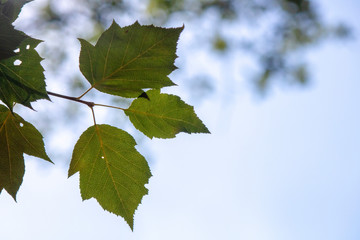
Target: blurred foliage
(281, 29)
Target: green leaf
(163, 116)
(23, 83)
(12, 8)
(16, 138)
(127, 60)
(111, 170)
(10, 38)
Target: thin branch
(85, 93)
(90, 104)
(93, 113)
(109, 106)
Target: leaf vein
(135, 58)
(109, 170)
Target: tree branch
(90, 104)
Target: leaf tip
(83, 41)
(13, 194)
(71, 172)
(206, 130)
(131, 224)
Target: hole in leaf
(17, 62)
(102, 157)
(17, 50)
(28, 47)
(21, 124)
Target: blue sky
(284, 168)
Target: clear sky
(287, 167)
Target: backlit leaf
(163, 116)
(111, 170)
(11, 8)
(10, 38)
(126, 60)
(21, 76)
(16, 138)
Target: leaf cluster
(21, 74)
(132, 62)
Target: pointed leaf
(23, 83)
(16, 138)
(164, 116)
(127, 60)
(111, 170)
